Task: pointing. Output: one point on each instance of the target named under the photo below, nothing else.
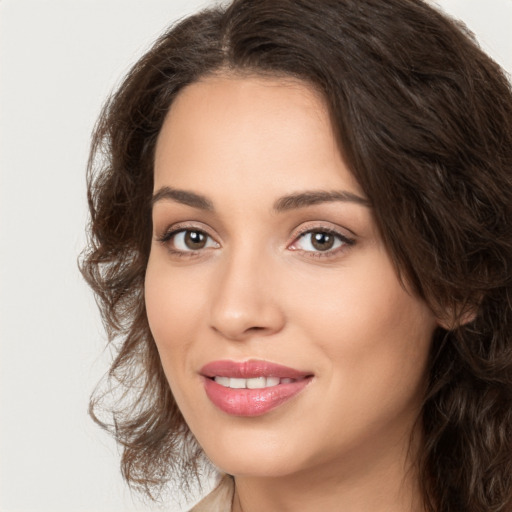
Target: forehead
(251, 130)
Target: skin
(259, 289)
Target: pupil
(195, 240)
(322, 241)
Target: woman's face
(266, 255)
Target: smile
(251, 388)
(254, 383)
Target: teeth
(272, 381)
(237, 383)
(223, 381)
(253, 383)
(257, 383)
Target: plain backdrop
(58, 61)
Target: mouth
(251, 388)
(253, 383)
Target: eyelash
(346, 242)
(166, 238)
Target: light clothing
(220, 499)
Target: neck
(380, 482)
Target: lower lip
(252, 402)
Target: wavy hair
(424, 122)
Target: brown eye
(189, 240)
(195, 240)
(322, 241)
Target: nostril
(236, 319)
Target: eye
(188, 240)
(320, 241)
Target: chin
(252, 455)
(238, 464)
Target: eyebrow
(184, 197)
(285, 203)
(310, 198)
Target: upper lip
(251, 369)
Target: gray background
(58, 61)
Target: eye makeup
(313, 240)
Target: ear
(457, 316)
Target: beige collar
(220, 499)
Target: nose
(244, 302)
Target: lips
(251, 388)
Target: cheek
(172, 310)
(173, 307)
(372, 329)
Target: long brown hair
(424, 121)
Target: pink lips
(252, 402)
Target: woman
(300, 240)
